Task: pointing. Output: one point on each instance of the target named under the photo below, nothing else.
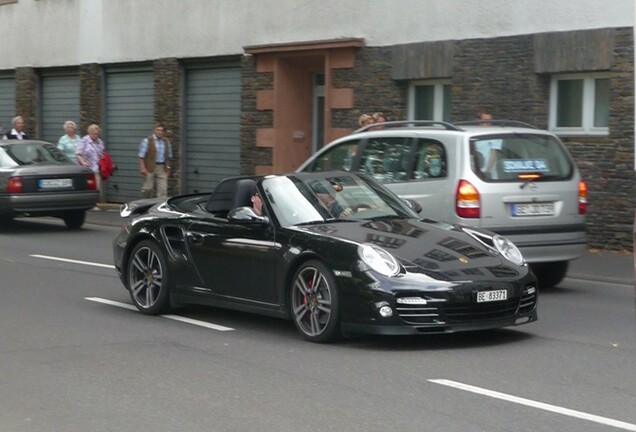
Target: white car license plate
(490, 296)
(533, 209)
(64, 183)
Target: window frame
(588, 105)
(438, 98)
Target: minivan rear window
(504, 158)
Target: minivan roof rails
(400, 123)
(516, 123)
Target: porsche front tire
(314, 302)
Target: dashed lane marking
(539, 405)
(73, 261)
(179, 318)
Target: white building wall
(43, 33)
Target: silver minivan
(504, 176)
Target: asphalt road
(73, 357)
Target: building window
(579, 104)
(429, 100)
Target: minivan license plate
(490, 296)
(533, 209)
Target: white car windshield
(14, 154)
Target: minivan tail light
(91, 184)
(582, 197)
(467, 203)
(14, 185)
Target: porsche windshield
(321, 198)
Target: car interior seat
(243, 193)
(478, 162)
(220, 201)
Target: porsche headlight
(508, 249)
(379, 260)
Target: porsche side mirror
(413, 205)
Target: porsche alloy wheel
(147, 278)
(314, 302)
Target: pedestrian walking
(69, 142)
(155, 154)
(89, 151)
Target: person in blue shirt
(69, 142)
(155, 154)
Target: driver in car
(329, 203)
(257, 203)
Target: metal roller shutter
(129, 118)
(212, 126)
(60, 101)
(7, 101)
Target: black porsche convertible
(335, 252)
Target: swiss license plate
(533, 209)
(491, 296)
(63, 183)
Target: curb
(599, 278)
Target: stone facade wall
(251, 118)
(91, 78)
(26, 89)
(607, 163)
(167, 89)
(374, 90)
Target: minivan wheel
(550, 274)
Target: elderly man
(155, 153)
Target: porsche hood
(426, 246)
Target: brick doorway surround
(290, 100)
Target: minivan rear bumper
(550, 243)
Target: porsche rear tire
(314, 302)
(148, 278)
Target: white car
(504, 176)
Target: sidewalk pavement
(604, 266)
(596, 265)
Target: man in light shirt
(155, 153)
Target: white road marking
(111, 303)
(539, 405)
(73, 261)
(204, 324)
(198, 323)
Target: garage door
(212, 126)
(129, 118)
(59, 102)
(7, 101)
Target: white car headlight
(379, 260)
(508, 249)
